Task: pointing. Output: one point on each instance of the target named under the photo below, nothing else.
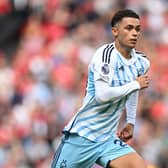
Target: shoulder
(102, 60)
(143, 58)
(103, 53)
(140, 54)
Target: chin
(132, 46)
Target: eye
(138, 29)
(129, 27)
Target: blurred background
(45, 48)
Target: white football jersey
(98, 121)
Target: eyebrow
(132, 26)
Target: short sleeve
(103, 69)
(146, 65)
(144, 61)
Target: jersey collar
(122, 60)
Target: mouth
(133, 41)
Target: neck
(124, 51)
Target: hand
(126, 133)
(143, 81)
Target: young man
(116, 74)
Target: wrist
(137, 84)
(130, 124)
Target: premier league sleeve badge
(105, 69)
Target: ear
(114, 31)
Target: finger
(125, 139)
(127, 135)
(121, 136)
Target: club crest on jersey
(140, 71)
(105, 69)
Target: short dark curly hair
(119, 15)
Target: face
(127, 31)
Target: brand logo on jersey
(105, 69)
(63, 164)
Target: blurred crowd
(45, 48)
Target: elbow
(101, 89)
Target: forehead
(130, 21)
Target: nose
(135, 32)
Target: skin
(126, 34)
